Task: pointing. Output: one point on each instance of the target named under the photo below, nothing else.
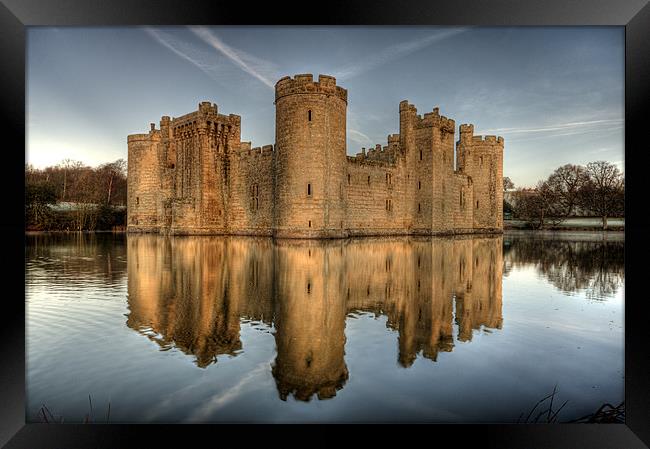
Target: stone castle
(194, 175)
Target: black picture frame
(15, 15)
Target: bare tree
(565, 183)
(508, 184)
(110, 173)
(68, 166)
(604, 191)
(537, 206)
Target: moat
(242, 329)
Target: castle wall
(460, 199)
(371, 184)
(250, 206)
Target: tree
(537, 206)
(565, 183)
(604, 191)
(507, 184)
(111, 174)
(69, 167)
(38, 195)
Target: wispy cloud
(559, 127)
(359, 137)
(259, 68)
(393, 52)
(562, 129)
(217, 401)
(185, 50)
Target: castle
(194, 175)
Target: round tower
(310, 157)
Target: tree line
(76, 197)
(597, 189)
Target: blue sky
(556, 94)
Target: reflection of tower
(309, 319)
(426, 311)
(181, 292)
(479, 303)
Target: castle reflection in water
(193, 292)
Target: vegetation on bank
(73, 197)
(606, 413)
(594, 190)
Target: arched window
(309, 115)
(309, 189)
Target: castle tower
(310, 160)
(482, 159)
(143, 181)
(407, 121)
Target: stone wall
(374, 194)
(250, 192)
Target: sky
(555, 94)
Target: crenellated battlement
(494, 140)
(138, 137)
(386, 153)
(431, 119)
(466, 129)
(206, 112)
(359, 160)
(247, 152)
(205, 107)
(305, 84)
(467, 134)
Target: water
(214, 329)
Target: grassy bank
(571, 224)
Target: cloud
(259, 68)
(219, 400)
(393, 52)
(359, 137)
(185, 51)
(562, 129)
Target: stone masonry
(194, 175)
